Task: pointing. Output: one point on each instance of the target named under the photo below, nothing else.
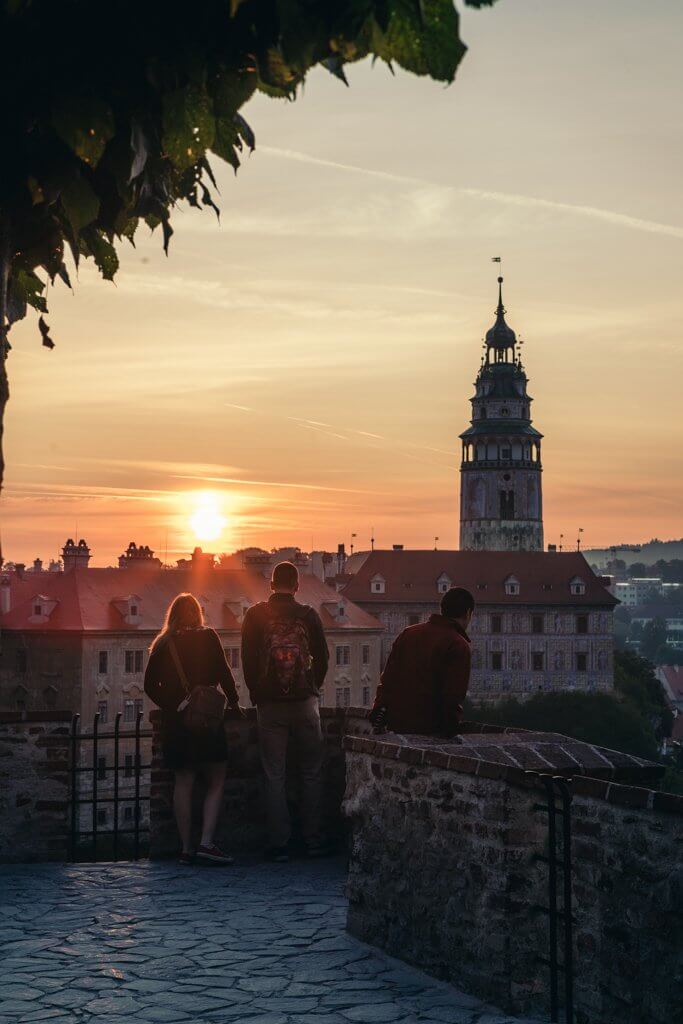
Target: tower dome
(500, 336)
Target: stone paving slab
(154, 943)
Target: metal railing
(112, 792)
(559, 858)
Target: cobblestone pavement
(152, 943)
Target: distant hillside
(649, 553)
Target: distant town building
(500, 473)
(637, 591)
(79, 639)
(543, 620)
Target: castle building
(500, 474)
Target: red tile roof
(544, 577)
(86, 598)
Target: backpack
(204, 707)
(286, 657)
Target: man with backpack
(284, 658)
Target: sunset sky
(309, 362)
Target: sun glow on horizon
(207, 521)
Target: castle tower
(500, 473)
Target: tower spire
(501, 308)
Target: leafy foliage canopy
(115, 109)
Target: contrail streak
(508, 198)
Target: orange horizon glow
(309, 362)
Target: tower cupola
(500, 491)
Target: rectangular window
(581, 623)
(343, 655)
(133, 610)
(128, 766)
(537, 661)
(137, 707)
(129, 661)
(497, 661)
(128, 711)
(37, 609)
(103, 711)
(233, 656)
(101, 768)
(496, 623)
(581, 662)
(21, 660)
(366, 654)
(127, 813)
(101, 815)
(366, 696)
(343, 697)
(138, 661)
(536, 623)
(103, 662)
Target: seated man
(428, 671)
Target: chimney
(341, 558)
(5, 596)
(37, 565)
(19, 568)
(75, 556)
(397, 547)
(552, 547)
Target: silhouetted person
(187, 655)
(284, 657)
(428, 671)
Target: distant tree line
(635, 719)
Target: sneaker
(277, 854)
(214, 855)
(186, 859)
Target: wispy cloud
(434, 196)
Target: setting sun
(206, 521)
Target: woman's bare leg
(182, 805)
(214, 773)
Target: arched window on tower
(507, 504)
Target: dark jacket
(253, 640)
(426, 678)
(203, 659)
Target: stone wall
(447, 872)
(34, 785)
(242, 824)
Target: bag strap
(179, 666)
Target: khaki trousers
(278, 723)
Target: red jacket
(426, 678)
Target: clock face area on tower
(500, 473)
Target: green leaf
(102, 251)
(85, 124)
(80, 203)
(424, 39)
(225, 141)
(188, 125)
(231, 90)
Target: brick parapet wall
(242, 825)
(34, 785)
(447, 871)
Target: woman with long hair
(187, 654)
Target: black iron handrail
(94, 798)
(555, 785)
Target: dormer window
(444, 583)
(577, 587)
(41, 608)
(377, 585)
(512, 586)
(133, 609)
